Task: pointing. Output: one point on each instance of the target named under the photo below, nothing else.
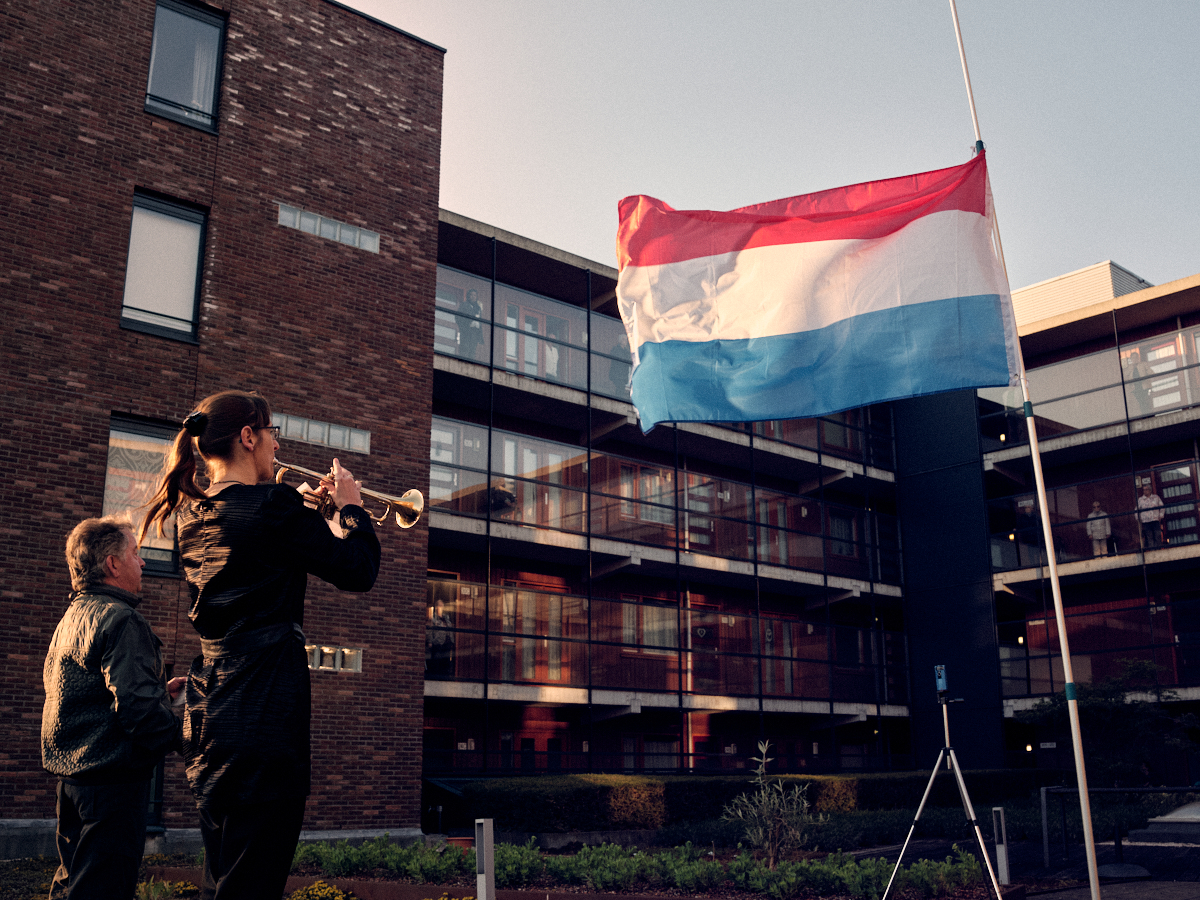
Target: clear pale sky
(1090, 110)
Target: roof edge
(1122, 302)
(524, 243)
(387, 25)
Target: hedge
(619, 802)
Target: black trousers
(248, 850)
(101, 839)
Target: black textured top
(246, 555)
(247, 552)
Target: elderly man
(107, 719)
(1150, 515)
(1099, 529)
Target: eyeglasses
(274, 429)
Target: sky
(1089, 109)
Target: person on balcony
(439, 642)
(470, 332)
(1099, 529)
(1150, 515)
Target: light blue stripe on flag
(906, 351)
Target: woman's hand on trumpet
(340, 485)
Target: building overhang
(609, 556)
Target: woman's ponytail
(210, 429)
(178, 479)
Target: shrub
(705, 833)
(569, 802)
(748, 873)
(686, 868)
(435, 865)
(606, 867)
(774, 818)
(516, 866)
(937, 879)
(608, 802)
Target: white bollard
(485, 861)
(1001, 832)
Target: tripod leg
(970, 811)
(929, 787)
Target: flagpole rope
(1039, 478)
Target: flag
(815, 304)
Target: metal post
(485, 861)
(1001, 831)
(1045, 832)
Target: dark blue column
(949, 611)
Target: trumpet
(407, 507)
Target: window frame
(161, 106)
(184, 212)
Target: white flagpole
(1056, 590)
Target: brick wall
(319, 108)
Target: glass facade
(505, 633)
(748, 584)
(533, 481)
(1122, 473)
(1132, 380)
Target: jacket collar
(108, 590)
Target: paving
(1172, 870)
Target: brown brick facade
(320, 108)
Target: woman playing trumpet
(247, 546)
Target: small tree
(1121, 731)
(774, 818)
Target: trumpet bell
(409, 508)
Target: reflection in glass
(134, 466)
(183, 65)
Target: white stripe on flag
(755, 292)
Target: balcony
(541, 492)
(506, 643)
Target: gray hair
(93, 541)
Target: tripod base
(967, 808)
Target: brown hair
(210, 430)
(90, 543)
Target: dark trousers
(101, 838)
(248, 850)
(1151, 534)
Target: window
(162, 274)
(648, 485)
(185, 63)
(333, 659)
(324, 434)
(843, 530)
(649, 626)
(311, 223)
(135, 457)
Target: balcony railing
(1108, 517)
(1136, 380)
(509, 635)
(1105, 638)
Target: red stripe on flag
(652, 233)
